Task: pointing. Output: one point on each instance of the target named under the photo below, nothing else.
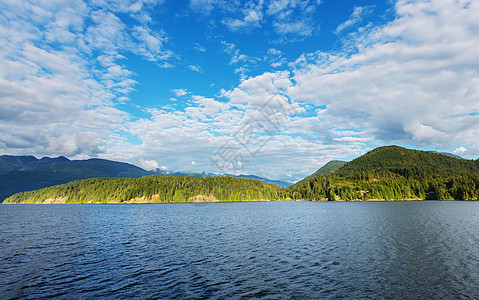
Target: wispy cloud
(252, 17)
(355, 18)
(195, 68)
(288, 17)
(199, 47)
(237, 58)
(234, 53)
(301, 28)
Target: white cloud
(179, 92)
(235, 54)
(459, 151)
(149, 165)
(252, 17)
(238, 58)
(203, 6)
(293, 18)
(301, 28)
(62, 74)
(406, 81)
(288, 17)
(195, 68)
(199, 47)
(149, 43)
(355, 18)
(275, 57)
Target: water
(272, 250)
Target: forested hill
(409, 162)
(394, 172)
(152, 189)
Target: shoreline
(242, 201)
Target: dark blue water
(235, 250)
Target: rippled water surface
(234, 250)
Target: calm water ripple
(264, 250)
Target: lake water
(272, 250)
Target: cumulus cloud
(412, 81)
(149, 164)
(62, 73)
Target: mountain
(277, 182)
(153, 189)
(205, 174)
(394, 172)
(328, 168)
(26, 173)
(448, 154)
(400, 160)
(9, 163)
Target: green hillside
(328, 168)
(154, 188)
(396, 173)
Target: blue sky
(274, 88)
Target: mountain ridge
(48, 172)
(330, 167)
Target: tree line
(155, 188)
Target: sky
(274, 88)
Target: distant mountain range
(206, 174)
(277, 182)
(26, 173)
